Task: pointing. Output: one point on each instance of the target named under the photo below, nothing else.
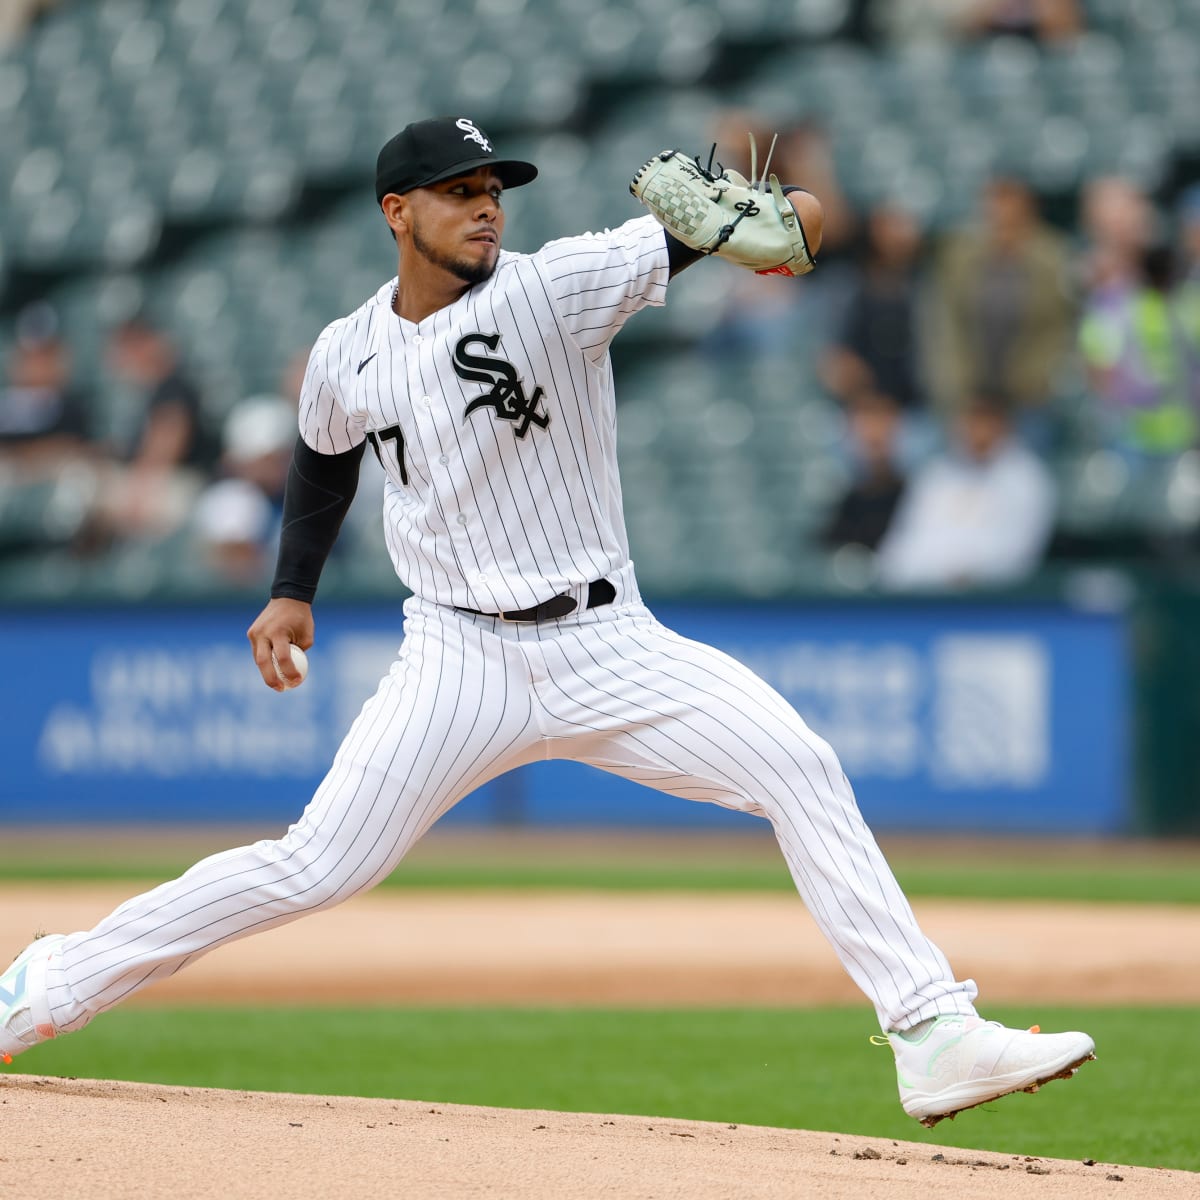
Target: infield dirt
(649, 948)
(103, 1140)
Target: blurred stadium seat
(215, 158)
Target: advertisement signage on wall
(946, 717)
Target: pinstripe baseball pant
(470, 697)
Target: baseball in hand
(299, 660)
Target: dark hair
(871, 399)
(1158, 266)
(990, 404)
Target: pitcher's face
(457, 224)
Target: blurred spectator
(1141, 348)
(865, 511)
(1118, 226)
(48, 478)
(172, 430)
(1041, 20)
(1004, 313)
(165, 461)
(1187, 209)
(236, 520)
(17, 15)
(43, 417)
(232, 527)
(979, 514)
(1188, 212)
(257, 442)
(952, 20)
(878, 344)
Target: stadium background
(207, 167)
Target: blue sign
(945, 717)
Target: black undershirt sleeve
(320, 488)
(680, 256)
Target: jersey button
(427, 401)
(481, 578)
(417, 339)
(444, 459)
(462, 518)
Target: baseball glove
(724, 213)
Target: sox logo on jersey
(507, 393)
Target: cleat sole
(1065, 1073)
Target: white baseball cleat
(24, 1011)
(960, 1062)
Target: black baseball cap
(426, 152)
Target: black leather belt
(600, 591)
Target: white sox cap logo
(472, 133)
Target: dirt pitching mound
(103, 1140)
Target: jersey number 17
(393, 433)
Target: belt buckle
(539, 612)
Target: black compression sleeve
(679, 255)
(320, 488)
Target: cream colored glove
(724, 214)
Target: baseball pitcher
(481, 380)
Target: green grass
(811, 1069)
(1166, 882)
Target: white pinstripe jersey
(495, 419)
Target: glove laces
(745, 208)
